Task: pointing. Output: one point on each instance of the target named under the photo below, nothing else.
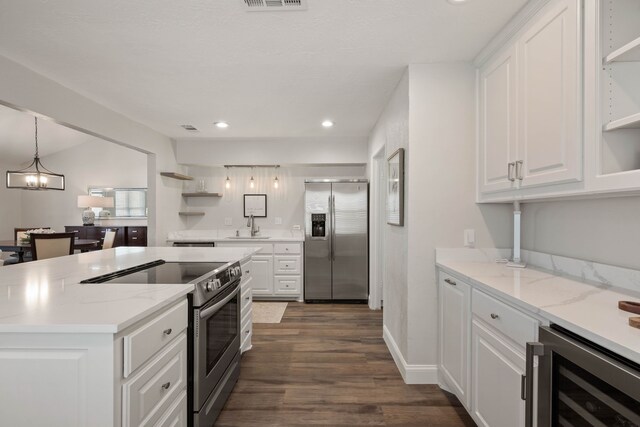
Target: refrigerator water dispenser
(318, 226)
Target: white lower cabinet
(455, 308)
(277, 270)
(482, 352)
(497, 371)
(246, 305)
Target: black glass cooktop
(159, 272)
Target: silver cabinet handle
(533, 349)
(166, 385)
(519, 164)
(510, 167)
(451, 282)
(247, 298)
(247, 272)
(494, 316)
(167, 331)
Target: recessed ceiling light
(221, 125)
(327, 123)
(457, 1)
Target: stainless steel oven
(579, 383)
(216, 353)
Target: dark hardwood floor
(327, 364)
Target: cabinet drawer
(245, 300)
(146, 340)
(287, 248)
(514, 324)
(265, 248)
(287, 264)
(285, 285)
(246, 331)
(176, 415)
(150, 393)
(246, 272)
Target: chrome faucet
(252, 223)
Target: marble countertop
(46, 296)
(196, 236)
(589, 310)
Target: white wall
(10, 205)
(29, 90)
(390, 133)
(94, 163)
(286, 202)
(440, 193)
(284, 151)
(601, 230)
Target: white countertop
(588, 310)
(197, 236)
(46, 296)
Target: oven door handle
(209, 311)
(533, 349)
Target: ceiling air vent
(274, 5)
(190, 128)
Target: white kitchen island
(76, 354)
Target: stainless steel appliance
(214, 327)
(579, 383)
(336, 250)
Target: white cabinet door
(262, 275)
(549, 100)
(497, 122)
(497, 371)
(455, 301)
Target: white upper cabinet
(549, 104)
(498, 123)
(530, 98)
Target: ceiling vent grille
(190, 128)
(274, 5)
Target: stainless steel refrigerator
(336, 249)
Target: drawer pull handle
(247, 272)
(451, 282)
(246, 332)
(167, 331)
(494, 316)
(166, 385)
(247, 298)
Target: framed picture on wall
(395, 188)
(256, 205)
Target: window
(129, 202)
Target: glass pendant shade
(35, 176)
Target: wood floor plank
(327, 364)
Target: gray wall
(601, 230)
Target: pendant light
(35, 176)
(227, 182)
(252, 183)
(276, 183)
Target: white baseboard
(411, 374)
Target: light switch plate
(296, 227)
(278, 220)
(470, 238)
(228, 221)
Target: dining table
(20, 248)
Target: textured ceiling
(17, 137)
(269, 74)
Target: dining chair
(19, 233)
(109, 238)
(52, 245)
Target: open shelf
(201, 194)
(176, 175)
(191, 213)
(627, 53)
(629, 122)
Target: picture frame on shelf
(256, 205)
(395, 188)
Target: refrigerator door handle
(331, 230)
(333, 227)
(533, 349)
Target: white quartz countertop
(46, 296)
(588, 310)
(266, 236)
